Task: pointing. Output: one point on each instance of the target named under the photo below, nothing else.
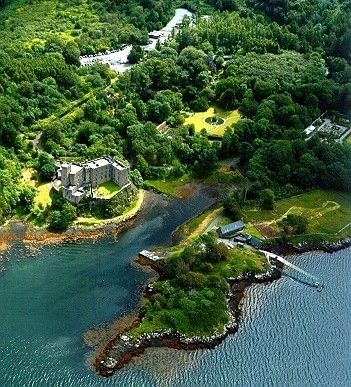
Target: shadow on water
(303, 282)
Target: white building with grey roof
(79, 180)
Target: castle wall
(75, 176)
(120, 175)
(65, 169)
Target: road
(118, 60)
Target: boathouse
(232, 229)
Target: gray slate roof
(232, 227)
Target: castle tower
(65, 171)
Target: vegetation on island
(190, 296)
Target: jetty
(150, 255)
(316, 282)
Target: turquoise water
(291, 335)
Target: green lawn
(196, 226)
(229, 117)
(242, 260)
(108, 189)
(328, 212)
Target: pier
(316, 282)
(150, 255)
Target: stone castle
(79, 180)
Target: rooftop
(232, 227)
(98, 163)
(75, 168)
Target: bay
(290, 334)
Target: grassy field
(328, 213)
(242, 260)
(42, 198)
(199, 120)
(196, 226)
(169, 186)
(108, 189)
(175, 186)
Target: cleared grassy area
(199, 120)
(27, 176)
(328, 213)
(242, 260)
(175, 186)
(196, 226)
(169, 186)
(43, 196)
(107, 189)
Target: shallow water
(291, 335)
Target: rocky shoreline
(32, 237)
(284, 247)
(119, 351)
(326, 247)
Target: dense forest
(280, 62)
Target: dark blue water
(290, 334)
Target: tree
(267, 199)
(60, 220)
(45, 167)
(136, 178)
(71, 53)
(136, 54)
(232, 206)
(26, 196)
(293, 224)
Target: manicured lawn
(108, 189)
(199, 120)
(328, 212)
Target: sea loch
(290, 334)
